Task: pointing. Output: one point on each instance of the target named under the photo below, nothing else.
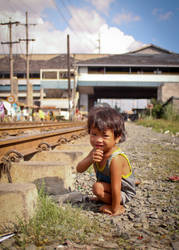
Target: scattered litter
(72, 197)
(6, 236)
(174, 178)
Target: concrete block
(75, 147)
(35, 171)
(63, 156)
(17, 201)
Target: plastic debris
(6, 236)
(174, 178)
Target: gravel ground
(151, 218)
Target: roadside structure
(149, 72)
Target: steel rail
(28, 144)
(19, 128)
(24, 123)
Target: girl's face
(103, 140)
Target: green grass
(52, 223)
(165, 160)
(160, 125)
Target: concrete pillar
(167, 90)
(17, 201)
(15, 88)
(30, 94)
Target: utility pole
(29, 86)
(10, 50)
(69, 83)
(74, 89)
(99, 42)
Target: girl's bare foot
(108, 210)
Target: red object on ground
(174, 178)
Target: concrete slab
(64, 156)
(17, 201)
(37, 172)
(75, 147)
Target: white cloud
(101, 5)
(125, 18)
(32, 6)
(165, 16)
(83, 20)
(113, 40)
(84, 29)
(161, 15)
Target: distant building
(149, 72)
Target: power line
(10, 49)
(78, 21)
(60, 12)
(27, 40)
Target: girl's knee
(98, 188)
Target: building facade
(150, 72)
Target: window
(49, 75)
(117, 70)
(96, 70)
(4, 75)
(64, 75)
(35, 75)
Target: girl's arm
(85, 163)
(116, 176)
(95, 155)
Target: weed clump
(52, 223)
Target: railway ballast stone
(151, 218)
(18, 201)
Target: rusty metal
(14, 155)
(5, 167)
(7, 159)
(14, 129)
(74, 137)
(44, 146)
(62, 140)
(29, 144)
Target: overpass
(139, 75)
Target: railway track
(20, 146)
(13, 129)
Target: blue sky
(119, 25)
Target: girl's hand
(97, 155)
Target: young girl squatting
(115, 184)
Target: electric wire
(80, 23)
(61, 14)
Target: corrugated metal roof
(162, 60)
(138, 57)
(57, 62)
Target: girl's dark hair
(104, 118)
